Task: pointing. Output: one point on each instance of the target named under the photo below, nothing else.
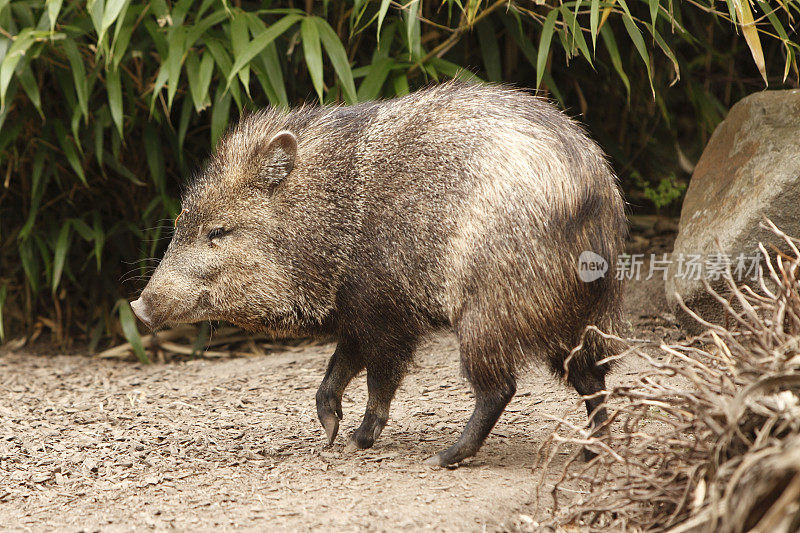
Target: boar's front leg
(386, 367)
(346, 362)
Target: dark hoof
(331, 425)
(329, 411)
(449, 458)
(359, 440)
(369, 430)
(352, 446)
(434, 461)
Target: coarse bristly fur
(459, 206)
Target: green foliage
(107, 105)
(130, 331)
(667, 192)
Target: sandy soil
(88, 444)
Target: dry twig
(710, 436)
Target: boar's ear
(277, 159)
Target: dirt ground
(89, 444)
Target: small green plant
(668, 191)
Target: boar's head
(228, 259)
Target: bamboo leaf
(269, 71)
(337, 55)
(161, 80)
(382, 15)
(122, 37)
(94, 337)
(413, 29)
(260, 42)
(29, 264)
(454, 71)
(654, 5)
(82, 228)
(99, 238)
(606, 12)
(731, 10)
(773, 19)
(114, 87)
(75, 124)
(490, 51)
(240, 36)
(400, 84)
(356, 14)
(179, 11)
(371, 86)
(220, 112)
(638, 41)
(78, 75)
(204, 80)
(177, 49)
(613, 51)
(183, 125)
(45, 255)
(154, 154)
(544, 45)
(60, 253)
(37, 190)
(193, 75)
(594, 19)
(195, 32)
(69, 151)
(203, 335)
(223, 61)
(751, 36)
(28, 82)
(53, 9)
(160, 9)
(571, 22)
(99, 134)
(312, 50)
(385, 43)
(266, 85)
(471, 10)
(95, 9)
(199, 74)
(776, 23)
(131, 332)
(112, 10)
(22, 42)
(272, 67)
(667, 51)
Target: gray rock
(749, 170)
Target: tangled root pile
(708, 439)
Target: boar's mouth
(154, 317)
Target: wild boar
(460, 206)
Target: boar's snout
(142, 311)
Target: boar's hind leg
(589, 379)
(489, 405)
(494, 385)
(346, 362)
(385, 370)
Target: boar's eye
(216, 233)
